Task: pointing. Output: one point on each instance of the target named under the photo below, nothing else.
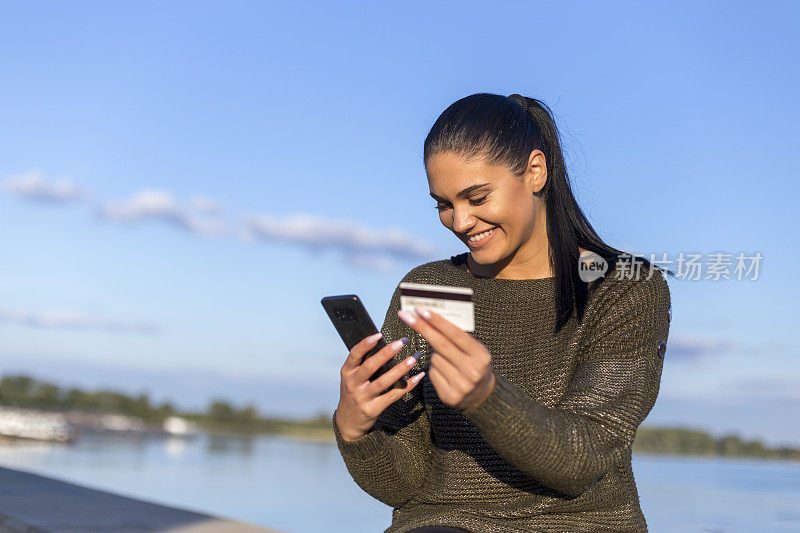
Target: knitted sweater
(549, 450)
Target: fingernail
(415, 378)
(412, 359)
(372, 339)
(409, 319)
(422, 311)
(399, 343)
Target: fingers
(377, 360)
(359, 350)
(451, 374)
(440, 342)
(388, 398)
(438, 379)
(460, 338)
(387, 379)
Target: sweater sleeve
(570, 446)
(391, 461)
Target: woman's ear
(536, 174)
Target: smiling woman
(527, 423)
(495, 162)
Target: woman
(527, 423)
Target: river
(303, 487)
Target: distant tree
(165, 409)
(76, 399)
(221, 411)
(729, 445)
(48, 395)
(140, 406)
(247, 415)
(15, 388)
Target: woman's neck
(535, 273)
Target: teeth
(480, 236)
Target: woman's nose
(462, 221)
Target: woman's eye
(479, 201)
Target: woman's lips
(482, 242)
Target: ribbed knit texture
(549, 450)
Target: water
(300, 487)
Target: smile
(481, 238)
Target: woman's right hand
(360, 400)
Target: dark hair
(504, 131)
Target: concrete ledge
(37, 504)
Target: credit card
(453, 303)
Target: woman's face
(473, 197)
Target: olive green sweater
(549, 450)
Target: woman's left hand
(460, 368)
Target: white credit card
(453, 303)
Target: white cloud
(160, 205)
(74, 320)
(684, 347)
(362, 246)
(204, 204)
(33, 186)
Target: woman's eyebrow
(463, 193)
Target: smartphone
(353, 323)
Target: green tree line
(221, 416)
(684, 441)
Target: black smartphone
(353, 323)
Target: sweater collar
(541, 288)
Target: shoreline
(326, 436)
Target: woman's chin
(484, 257)
(488, 253)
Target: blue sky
(183, 182)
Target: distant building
(179, 427)
(31, 424)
